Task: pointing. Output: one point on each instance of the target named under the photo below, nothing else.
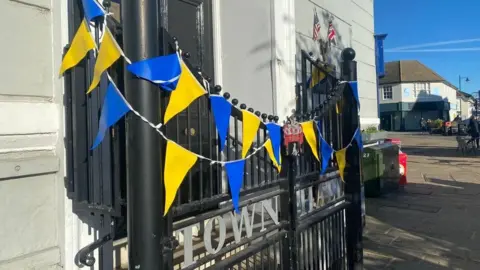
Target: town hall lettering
(246, 219)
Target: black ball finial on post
(217, 89)
(107, 3)
(348, 54)
(226, 95)
(264, 117)
(349, 66)
(235, 102)
(243, 106)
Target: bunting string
(159, 125)
(171, 74)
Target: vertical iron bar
(145, 193)
(189, 144)
(200, 142)
(352, 172)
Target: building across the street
(465, 105)
(410, 91)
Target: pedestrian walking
(423, 125)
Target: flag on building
(316, 26)
(331, 33)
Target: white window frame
(390, 88)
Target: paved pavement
(435, 222)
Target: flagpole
(141, 40)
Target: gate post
(140, 21)
(353, 182)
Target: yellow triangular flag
(250, 124)
(317, 76)
(188, 90)
(108, 54)
(341, 155)
(81, 44)
(178, 162)
(269, 148)
(309, 133)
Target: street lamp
(460, 81)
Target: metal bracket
(85, 257)
(170, 244)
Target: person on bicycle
(474, 131)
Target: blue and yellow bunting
(271, 155)
(358, 139)
(340, 155)
(327, 152)
(163, 70)
(317, 77)
(81, 44)
(235, 173)
(114, 108)
(250, 125)
(221, 109)
(178, 161)
(92, 9)
(187, 91)
(275, 134)
(308, 129)
(108, 54)
(354, 87)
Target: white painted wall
(405, 92)
(254, 57)
(31, 137)
(354, 25)
(466, 108)
(38, 230)
(258, 62)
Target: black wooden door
(190, 21)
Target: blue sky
(416, 22)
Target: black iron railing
(311, 225)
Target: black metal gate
(297, 219)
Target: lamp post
(460, 81)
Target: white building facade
(254, 60)
(406, 98)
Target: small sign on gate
(293, 137)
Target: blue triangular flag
(163, 70)
(358, 138)
(92, 9)
(114, 108)
(235, 180)
(327, 152)
(319, 127)
(275, 134)
(221, 109)
(354, 87)
(309, 81)
(319, 130)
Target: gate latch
(293, 137)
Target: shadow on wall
(426, 106)
(322, 50)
